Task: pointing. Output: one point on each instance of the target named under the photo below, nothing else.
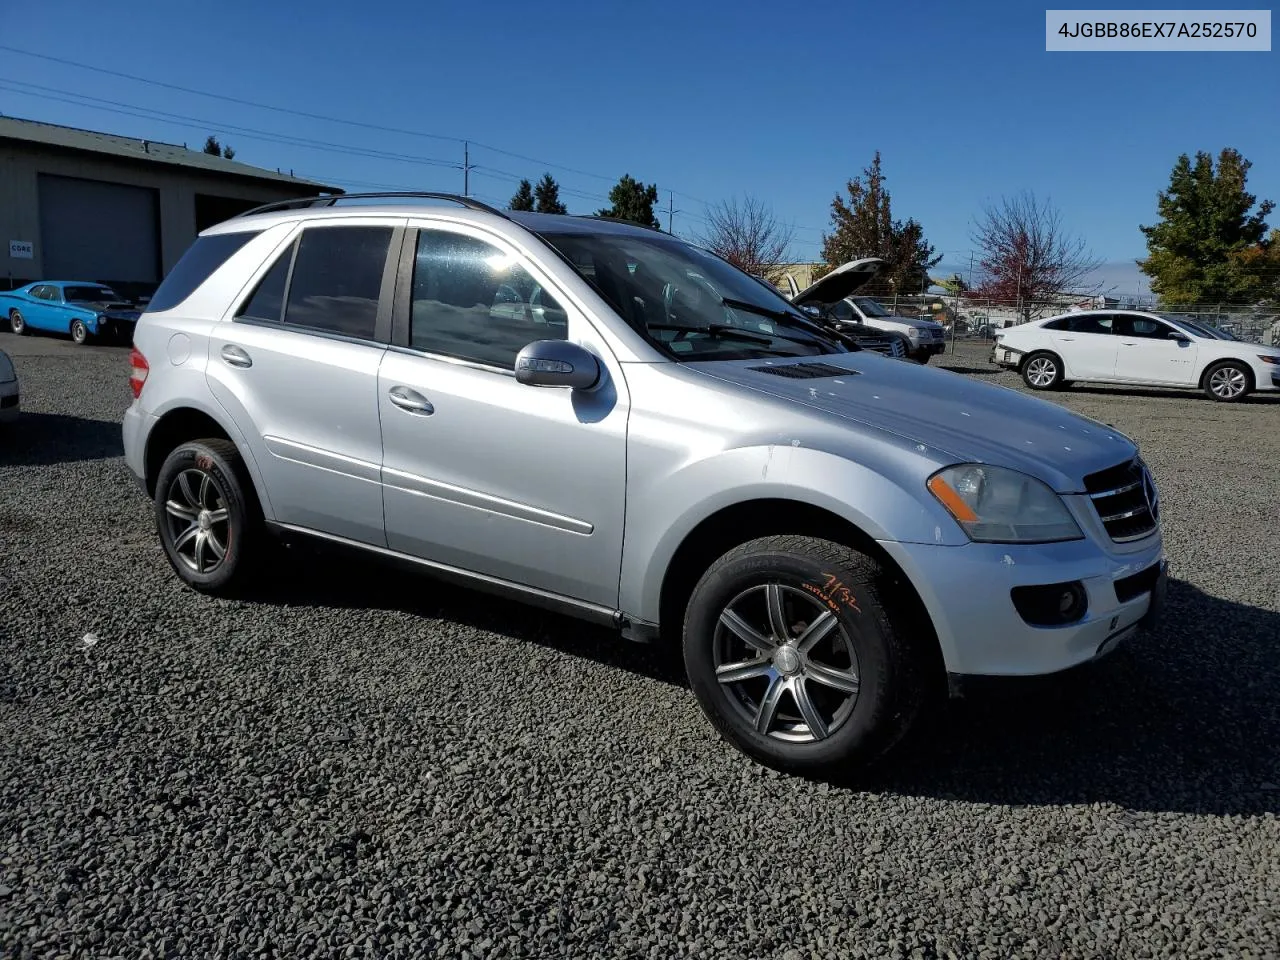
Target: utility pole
(466, 168)
(671, 211)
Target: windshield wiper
(794, 319)
(722, 330)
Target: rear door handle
(235, 356)
(411, 400)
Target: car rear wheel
(1042, 371)
(794, 655)
(1228, 381)
(79, 332)
(208, 516)
(17, 323)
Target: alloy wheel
(199, 522)
(1228, 382)
(786, 662)
(1041, 371)
(17, 323)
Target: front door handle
(411, 400)
(235, 356)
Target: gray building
(79, 205)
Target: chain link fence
(977, 318)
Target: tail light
(138, 369)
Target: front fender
(661, 513)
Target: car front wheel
(79, 332)
(795, 657)
(1227, 381)
(208, 516)
(1042, 371)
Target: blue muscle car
(82, 310)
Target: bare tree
(1027, 256)
(747, 234)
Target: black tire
(812, 577)
(79, 332)
(922, 357)
(1228, 382)
(1042, 370)
(17, 322)
(241, 535)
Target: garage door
(93, 230)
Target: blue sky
(781, 101)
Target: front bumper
(116, 328)
(1003, 356)
(967, 592)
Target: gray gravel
(358, 764)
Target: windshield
(870, 308)
(89, 294)
(688, 302)
(1201, 329)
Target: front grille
(1126, 500)
(890, 347)
(1139, 583)
(805, 371)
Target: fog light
(1051, 605)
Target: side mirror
(557, 363)
(1179, 337)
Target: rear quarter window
(202, 258)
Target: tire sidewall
(79, 325)
(860, 617)
(1228, 365)
(198, 456)
(17, 323)
(1042, 355)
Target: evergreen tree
(548, 196)
(523, 199)
(632, 200)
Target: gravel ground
(358, 764)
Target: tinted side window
(1143, 327)
(337, 279)
(267, 300)
(1091, 323)
(202, 258)
(473, 302)
(1063, 324)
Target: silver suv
(603, 419)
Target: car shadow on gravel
(44, 439)
(320, 575)
(1184, 719)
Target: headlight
(1266, 359)
(997, 505)
(913, 333)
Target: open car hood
(841, 282)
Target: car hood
(965, 420)
(114, 307)
(917, 324)
(841, 282)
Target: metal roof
(108, 144)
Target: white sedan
(1136, 348)
(8, 389)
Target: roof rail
(303, 203)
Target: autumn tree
(747, 234)
(548, 196)
(632, 200)
(864, 226)
(1210, 244)
(523, 197)
(1027, 256)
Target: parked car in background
(82, 310)
(652, 440)
(1136, 348)
(920, 338)
(10, 400)
(827, 301)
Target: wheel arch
(180, 424)
(747, 520)
(1211, 365)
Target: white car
(1137, 348)
(8, 389)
